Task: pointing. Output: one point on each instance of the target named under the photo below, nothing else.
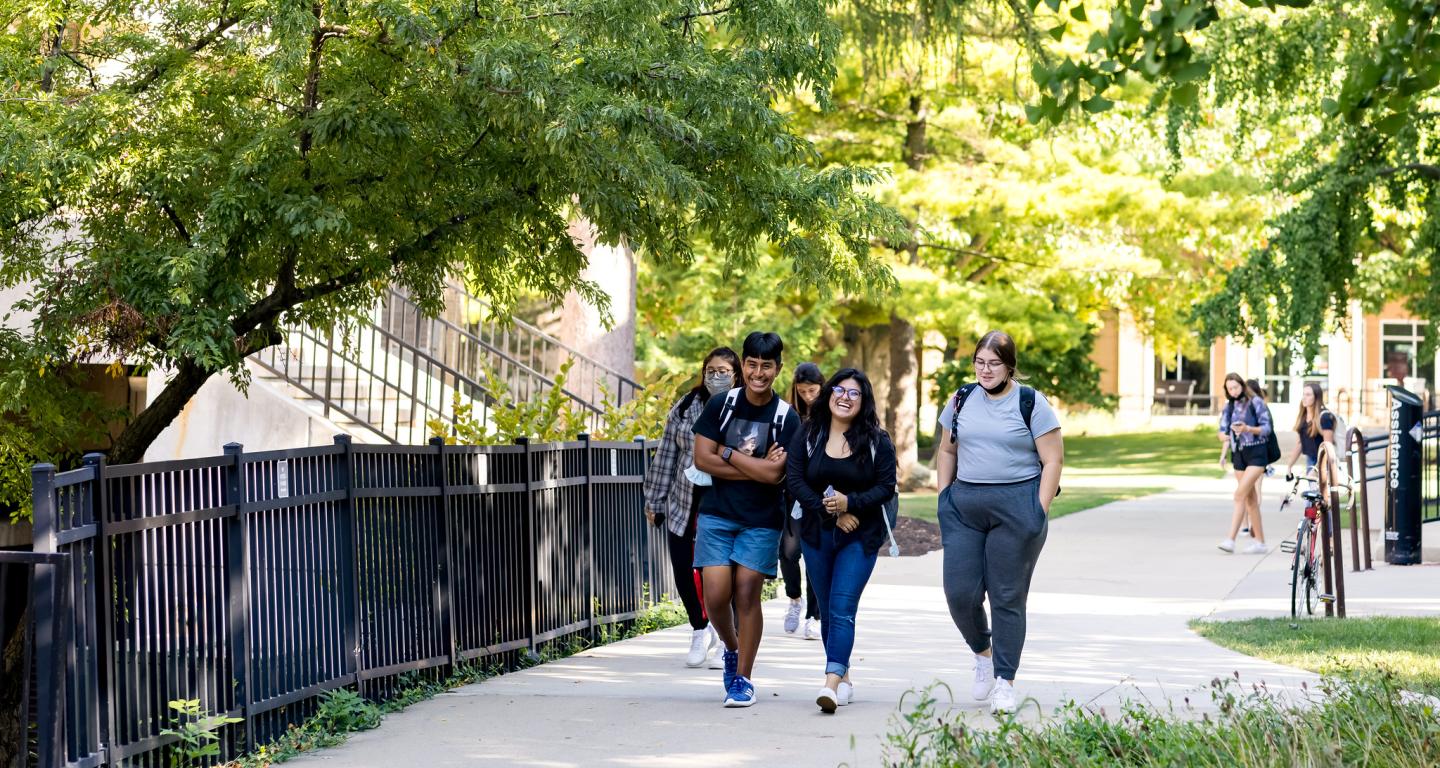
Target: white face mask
(719, 382)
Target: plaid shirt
(667, 490)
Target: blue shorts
(719, 541)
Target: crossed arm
(769, 470)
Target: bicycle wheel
(1299, 569)
(1312, 571)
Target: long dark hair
(1304, 417)
(1235, 377)
(864, 431)
(699, 390)
(1256, 389)
(805, 373)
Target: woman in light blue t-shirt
(999, 465)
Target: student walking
(804, 391)
(739, 442)
(841, 470)
(1245, 422)
(1315, 424)
(998, 462)
(671, 500)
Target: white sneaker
(700, 643)
(827, 700)
(1255, 549)
(845, 693)
(717, 657)
(984, 677)
(812, 629)
(792, 616)
(1002, 699)
(1228, 545)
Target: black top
(867, 484)
(1310, 446)
(747, 502)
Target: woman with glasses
(998, 463)
(671, 500)
(804, 393)
(841, 469)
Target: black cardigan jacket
(867, 504)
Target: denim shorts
(719, 541)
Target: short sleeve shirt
(1310, 446)
(992, 444)
(750, 430)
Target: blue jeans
(839, 569)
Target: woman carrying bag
(998, 463)
(841, 470)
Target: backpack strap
(958, 400)
(777, 425)
(728, 410)
(1027, 405)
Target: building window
(1401, 359)
(1286, 374)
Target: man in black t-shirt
(739, 441)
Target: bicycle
(1306, 568)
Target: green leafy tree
(183, 179)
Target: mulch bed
(916, 537)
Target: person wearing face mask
(998, 462)
(804, 391)
(671, 500)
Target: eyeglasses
(847, 393)
(719, 372)
(989, 365)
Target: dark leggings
(790, 567)
(687, 580)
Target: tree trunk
(901, 411)
(914, 152)
(139, 434)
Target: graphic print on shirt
(748, 437)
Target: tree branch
(159, 70)
(1427, 170)
(175, 219)
(688, 17)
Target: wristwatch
(725, 454)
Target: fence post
(445, 562)
(1356, 436)
(1337, 538)
(48, 622)
(532, 583)
(349, 537)
(589, 517)
(237, 574)
(647, 574)
(104, 602)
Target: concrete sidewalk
(1108, 611)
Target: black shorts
(1249, 456)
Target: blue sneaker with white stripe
(742, 693)
(732, 661)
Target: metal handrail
(622, 387)
(1359, 448)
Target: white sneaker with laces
(717, 655)
(845, 693)
(792, 616)
(984, 677)
(812, 629)
(700, 642)
(1257, 548)
(1002, 699)
(1228, 545)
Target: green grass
(1361, 720)
(921, 506)
(1407, 647)
(1191, 453)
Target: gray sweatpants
(992, 535)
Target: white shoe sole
(982, 695)
(694, 665)
(733, 704)
(828, 701)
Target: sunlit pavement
(1108, 616)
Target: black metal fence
(1430, 467)
(254, 582)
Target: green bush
(1349, 720)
